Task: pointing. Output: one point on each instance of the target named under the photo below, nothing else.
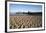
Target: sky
(25, 8)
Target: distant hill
(25, 13)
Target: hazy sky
(25, 8)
